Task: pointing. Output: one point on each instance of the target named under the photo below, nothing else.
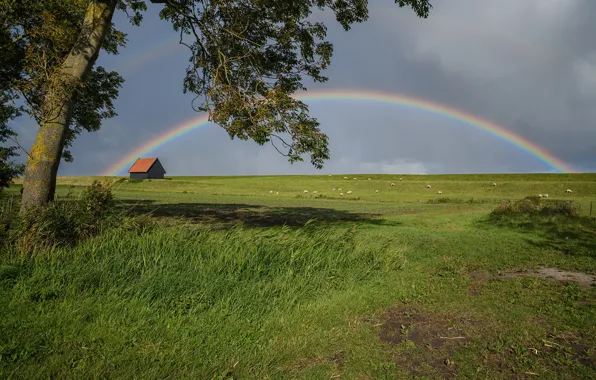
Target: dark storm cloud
(529, 66)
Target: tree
(247, 58)
(8, 170)
(57, 83)
(10, 66)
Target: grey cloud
(528, 66)
(518, 61)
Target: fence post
(591, 208)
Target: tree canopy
(38, 35)
(10, 67)
(249, 56)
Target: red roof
(142, 165)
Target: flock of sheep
(393, 184)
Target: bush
(567, 208)
(533, 206)
(98, 200)
(64, 222)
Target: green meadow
(252, 278)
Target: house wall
(156, 171)
(139, 175)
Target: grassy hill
(238, 281)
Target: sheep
(339, 189)
(349, 192)
(314, 192)
(539, 195)
(401, 179)
(545, 195)
(392, 184)
(334, 189)
(428, 186)
(277, 193)
(369, 178)
(341, 194)
(568, 191)
(355, 178)
(329, 175)
(376, 191)
(270, 191)
(305, 191)
(345, 177)
(494, 184)
(439, 192)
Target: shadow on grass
(247, 214)
(570, 235)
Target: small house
(147, 168)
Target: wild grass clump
(197, 299)
(62, 223)
(559, 224)
(8, 213)
(443, 200)
(535, 206)
(561, 207)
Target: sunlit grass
(242, 285)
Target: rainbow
(359, 95)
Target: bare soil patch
(437, 337)
(582, 279)
(432, 341)
(555, 274)
(572, 346)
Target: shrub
(98, 200)
(65, 222)
(536, 206)
(567, 208)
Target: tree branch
(14, 139)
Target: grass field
(238, 282)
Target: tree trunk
(45, 155)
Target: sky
(528, 66)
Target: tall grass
(555, 221)
(535, 206)
(63, 222)
(197, 300)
